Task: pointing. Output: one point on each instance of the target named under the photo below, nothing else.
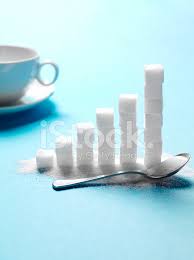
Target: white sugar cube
(64, 142)
(153, 154)
(129, 138)
(106, 155)
(127, 103)
(129, 143)
(85, 133)
(128, 155)
(106, 146)
(128, 146)
(127, 117)
(64, 153)
(153, 106)
(154, 147)
(153, 120)
(130, 129)
(152, 135)
(44, 159)
(85, 155)
(153, 91)
(150, 162)
(154, 73)
(129, 123)
(105, 118)
(151, 159)
(85, 140)
(83, 127)
(106, 135)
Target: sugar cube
(106, 135)
(64, 142)
(44, 159)
(127, 103)
(154, 106)
(151, 159)
(105, 118)
(153, 120)
(128, 155)
(106, 146)
(128, 123)
(85, 133)
(85, 156)
(153, 154)
(106, 155)
(85, 140)
(129, 138)
(153, 135)
(127, 117)
(154, 73)
(128, 146)
(153, 91)
(154, 147)
(64, 153)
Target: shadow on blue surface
(46, 110)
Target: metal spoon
(165, 169)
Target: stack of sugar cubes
(64, 151)
(153, 106)
(128, 128)
(85, 142)
(106, 136)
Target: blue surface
(101, 47)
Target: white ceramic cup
(19, 66)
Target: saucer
(35, 94)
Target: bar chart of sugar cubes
(82, 153)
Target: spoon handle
(68, 184)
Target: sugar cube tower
(154, 77)
(85, 140)
(64, 151)
(106, 136)
(128, 128)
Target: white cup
(19, 66)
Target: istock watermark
(126, 137)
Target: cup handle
(56, 68)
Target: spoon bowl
(168, 167)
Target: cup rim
(35, 56)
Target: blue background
(101, 47)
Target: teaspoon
(163, 170)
